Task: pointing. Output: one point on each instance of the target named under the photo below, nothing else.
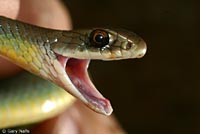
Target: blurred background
(159, 93)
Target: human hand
(76, 119)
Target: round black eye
(99, 38)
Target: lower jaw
(76, 71)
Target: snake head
(102, 44)
(74, 50)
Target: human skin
(77, 119)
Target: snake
(56, 64)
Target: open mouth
(81, 85)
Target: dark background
(159, 93)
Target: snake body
(59, 57)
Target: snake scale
(56, 60)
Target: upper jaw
(74, 78)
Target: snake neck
(28, 46)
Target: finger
(78, 119)
(48, 13)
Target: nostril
(127, 46)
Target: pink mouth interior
(77, 72)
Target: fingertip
(50, 14)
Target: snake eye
(99, 38)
